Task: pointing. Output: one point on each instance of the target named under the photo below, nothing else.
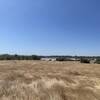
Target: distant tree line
(82, 59)
(19, 57)
(68, 56)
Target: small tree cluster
(98, 61)
(61, 59)
(84, 60)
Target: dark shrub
(98, 61)
(84, 60)
(61, 59)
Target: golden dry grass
(45, 80)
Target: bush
(84, 60)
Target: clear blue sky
(50, 27)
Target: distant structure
(93, 61)
(70, 59)
(48, 59)
(59, 59)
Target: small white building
(48, 59)
(93, 61)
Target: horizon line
(47, 55)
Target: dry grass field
(45, 80)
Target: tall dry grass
(48, 81)
(37, 90)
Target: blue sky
(50, 27)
